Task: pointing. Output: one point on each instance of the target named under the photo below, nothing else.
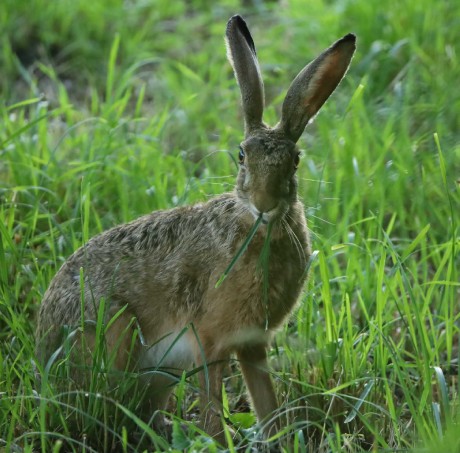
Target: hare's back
(157, 263)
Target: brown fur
(163, 267)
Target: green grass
(113, 109)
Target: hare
(159, 272)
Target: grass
(112, 109)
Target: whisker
(295, 240)
(321, 219)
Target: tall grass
(112, 109)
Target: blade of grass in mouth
(242, 249)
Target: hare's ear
(313, 85)
(241, 53)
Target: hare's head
(268, 156)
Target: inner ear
(323, 84)
(313, 86)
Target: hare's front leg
(253, 362)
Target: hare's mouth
(268, 216)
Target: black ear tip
(348, 41)
(237, 17)
(350, 37)
(238, 23)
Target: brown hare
(162, 268)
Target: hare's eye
(241, 156)
(297, 161)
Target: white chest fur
(173, 353)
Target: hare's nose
(264, 203)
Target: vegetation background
(111, 109)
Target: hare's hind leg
(253, 362)
(122, 342)
(213, 365)
(82, 352)
(155, 386)
(158, 391)
(161, 366)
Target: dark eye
(297, 161)
(241, 156)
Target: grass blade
(240, 251)
(362, 398)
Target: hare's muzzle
(268, 213)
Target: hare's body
(158, 274)
(172, 260)
(152, 263)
